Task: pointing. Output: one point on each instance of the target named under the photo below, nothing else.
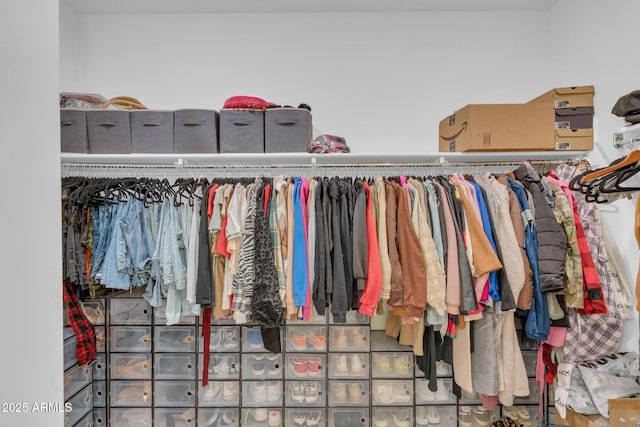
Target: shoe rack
(78, 392)
(328, 374)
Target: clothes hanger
(631, 159)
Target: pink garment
(373, 283)
(304, 194)
(452, 297)
(557, 336)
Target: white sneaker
(275, 419)
(383, 393)
(379, 420)
(443, 392)
(258, 391)
(357, 365)
(212, 391)
(340, 365)
(274, 391)
(229, 390)
(422, 418)
(401, 393)
(260, 414)
(434, 416)
(402, 421)
(423, 393)
(296, 392)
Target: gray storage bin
(287, 130)
(73, 131)
(195, 131)
(151, 131)
(241, 131)
(109, 132)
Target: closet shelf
(307, 159)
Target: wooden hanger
(631, 159)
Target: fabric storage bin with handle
(287, 130)
(241, 131)
(195, 131)
(152, 131)
(109, 132)
(73, 131)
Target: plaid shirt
(591, 336)
(84, 330)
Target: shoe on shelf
(135, 367)
(423, 393)
(212, 391)
(443, 392)
(258, 414)
(339, 391)
(258, 391)
(481, 416)
(274, 391)
(422, 418)
(340, 367)
(299, 419)
(298, 341)
(357, 365)
(228, 419)
(512, 412)
(340, 339)
(230, 390)
(465, 417)
(356, 393)
(318, 342)
(443, 369)
(187, 416)
(275, 419)
(213, 418)
(314, 419)
(402, 420)
(358, 338)
(275, 368)
(229, 339)
(299, 366)
(401, 393)
(401, 365)
(433, 416)
(383, 365)
(215, 340)
(524, 416)
(380, 420)
(94, 314)
(311, 392)
(296, 392)
(383, 393)
(255, 339)
(257, 368)
(314, 367)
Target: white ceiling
(90, 7)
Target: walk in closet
(328, 372)
(381, 74)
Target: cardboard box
(624, 412)
(499, 127)
(573, 139)
(568, 97)
(578, 420)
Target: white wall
(70, 41)
(593, 42)
(30, 313)
(381, 80)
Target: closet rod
(310, 159)
(270, 170)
